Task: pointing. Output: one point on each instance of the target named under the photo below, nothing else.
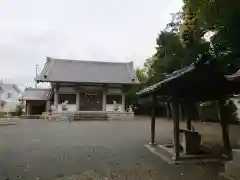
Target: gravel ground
(41, 150)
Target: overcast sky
(101, 30)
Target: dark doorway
(91, 101)
(37, 107)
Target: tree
(175, 23)
(170, 54)
(192, 34)
(222, 18)
(141, 75)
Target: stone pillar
(77, 101)
(104, 101)
(56, 97)
(123, 102)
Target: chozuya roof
(36, 94)
(62, 70)
(170, 77)
(199, 67)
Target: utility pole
(36, 71)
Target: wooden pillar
(188, 117)
(180, 111)
(153, 118)
(77, 101)
(104, 101)
(167, 109)
(123, 102)
(224, 125)
(189, 124)
(28, 108)
(175, 113)
(56, 97)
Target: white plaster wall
(110, 107)
(71, 107)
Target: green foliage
(141, 75)
(222, 18)
(131, 97)
(172, 53)
(182, 41)
(175, 23)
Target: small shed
(36, 100)
(196, 83)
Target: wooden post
(153, 119)
(224, 125)
(77, 101)
(167, 109)
(189, 124)
(56, 97)
(175, 113)
(188, 120)
(180, 111)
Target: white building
(9, 94)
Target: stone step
(65, 118)
(232, 170)
(79, 118)
(90, 116)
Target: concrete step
(90, 116)
(236, 156)
(232, 170)
(87, 118)
(90, 119)
(64, 118)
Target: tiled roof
(36, 94)
(62, 70)
(170, 77)
(235, 76)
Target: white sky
(101, 30)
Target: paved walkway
(37, 149)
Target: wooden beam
(153, 118)
(175, 113)
(224, 126)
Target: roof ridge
(89, 61)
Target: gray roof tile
(36, 94)
(61, 70)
